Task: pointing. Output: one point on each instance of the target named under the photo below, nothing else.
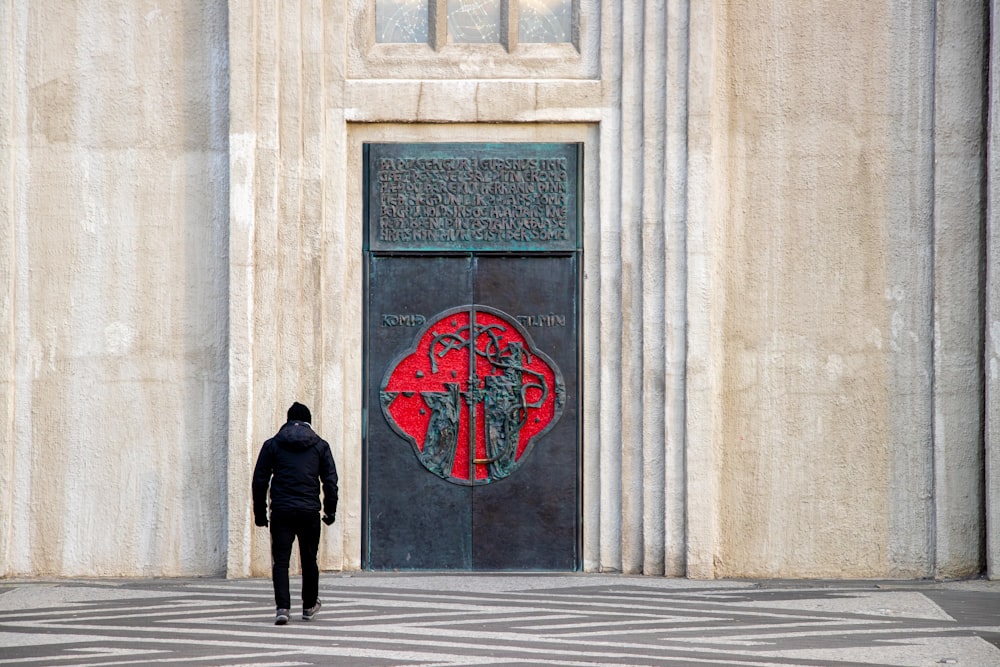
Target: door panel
(472, 354)
(414, 520)
(530, 520)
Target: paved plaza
(499, 619)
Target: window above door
(474, 39)
(507, 22)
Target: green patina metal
(473, 254)
(507, 388)
(452, 197)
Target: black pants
(285, 528)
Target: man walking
(293, 464)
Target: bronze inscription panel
(472, 197)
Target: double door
(471, 441)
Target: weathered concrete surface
(115, 197)
(788, 291)
(805, 442)
(848, 282)
(992, 327)
(807, 291)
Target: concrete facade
(790, 315)
(114, 215)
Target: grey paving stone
(371, 620)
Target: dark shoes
(281, 617)
(310, 613)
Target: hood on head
(296, 436)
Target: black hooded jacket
(293, 463)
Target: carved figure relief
(472, 395)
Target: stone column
(702, 408)
(277, 244)
(992, 319)
(959, 85)
(908, 290)
(646, 137)
(13, 269)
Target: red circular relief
(472, 394)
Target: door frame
(369, 410)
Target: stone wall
(114, 233)
(789, 299)
(992, 326)
(851, 263)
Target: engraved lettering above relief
(463, 196)
(468, 199)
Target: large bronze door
(471, 443)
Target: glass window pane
(545, 21)
(401, 21)
(474, 21)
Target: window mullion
(437, 12)
(509, 13)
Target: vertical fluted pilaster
(675, 281)
(654, 319)
(959, 82)
(992, 291)
(633, 370)
(13, 120)
(702, 368)
(650, 506)
(276, 241)
(611, 307)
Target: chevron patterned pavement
(502, 619)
